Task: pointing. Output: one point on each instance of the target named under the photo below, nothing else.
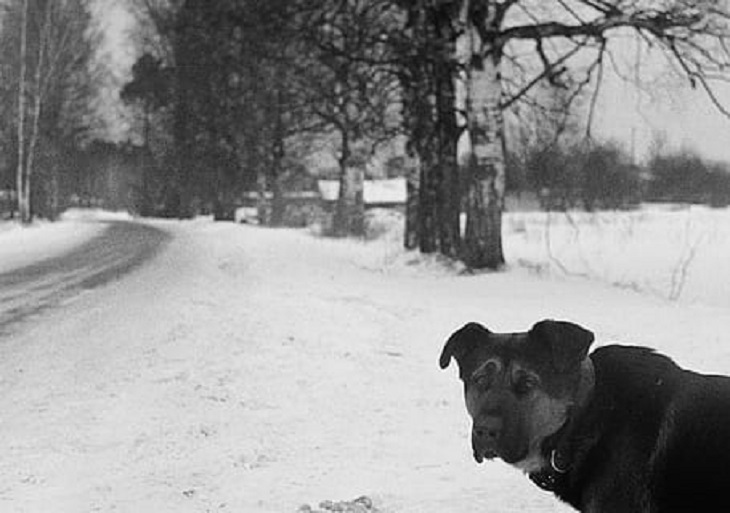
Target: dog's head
(519, 387)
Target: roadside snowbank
(94, 214)
(21, 246)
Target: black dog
(623, 429)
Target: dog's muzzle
(484, 439)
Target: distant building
(385, 193)
(304, 206)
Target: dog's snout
(486, 433)
(485, 438)
(488, 430)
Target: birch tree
(49, 59)
(516, 44)
(22, 191)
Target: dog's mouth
(513, 457)
(491, 453)
(486, 454)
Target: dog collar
(547, 479)
(554, 463)
(559, 465)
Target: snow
(247, 369)
(671, 251)
(20, 245)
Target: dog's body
(622, 430)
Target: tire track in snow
(120, 248)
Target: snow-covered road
(116, 249)
(246, 370)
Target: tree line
(231, 93)
(604, 175)
(231, 96)
(47, 99)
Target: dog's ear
(566, 342)
(462, 342)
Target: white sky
(686, 116)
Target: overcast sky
(686, 116)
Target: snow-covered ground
(671, 251)
(20, 246)
(247, 369)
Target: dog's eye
(524, 384)
(483, 381)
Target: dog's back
(696, 463)
(671, 426)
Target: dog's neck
(585, 386)
(562, 447)
(559, 449)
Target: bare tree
(50, 68)
(426, 49)
(348, 89)
(516, 44)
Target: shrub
(684, 176)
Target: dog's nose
(488, 431)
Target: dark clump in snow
(360, 505)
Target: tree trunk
(180, 179)
(449, 203)
(52, 194)
(410, 240)
(146, 199)
(431, 122)
(23, 190)
(37, 107)
(416, 118)
(349, 217)
(263, 209)
(278, 202)
(422, 98)
(429, 202)
(482, 247)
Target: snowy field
(247, 369)
(674, 252)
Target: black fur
(654, 438)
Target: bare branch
(659, 24)
(712, 96)
(547, 70)
(598, 64)
(571, 11)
